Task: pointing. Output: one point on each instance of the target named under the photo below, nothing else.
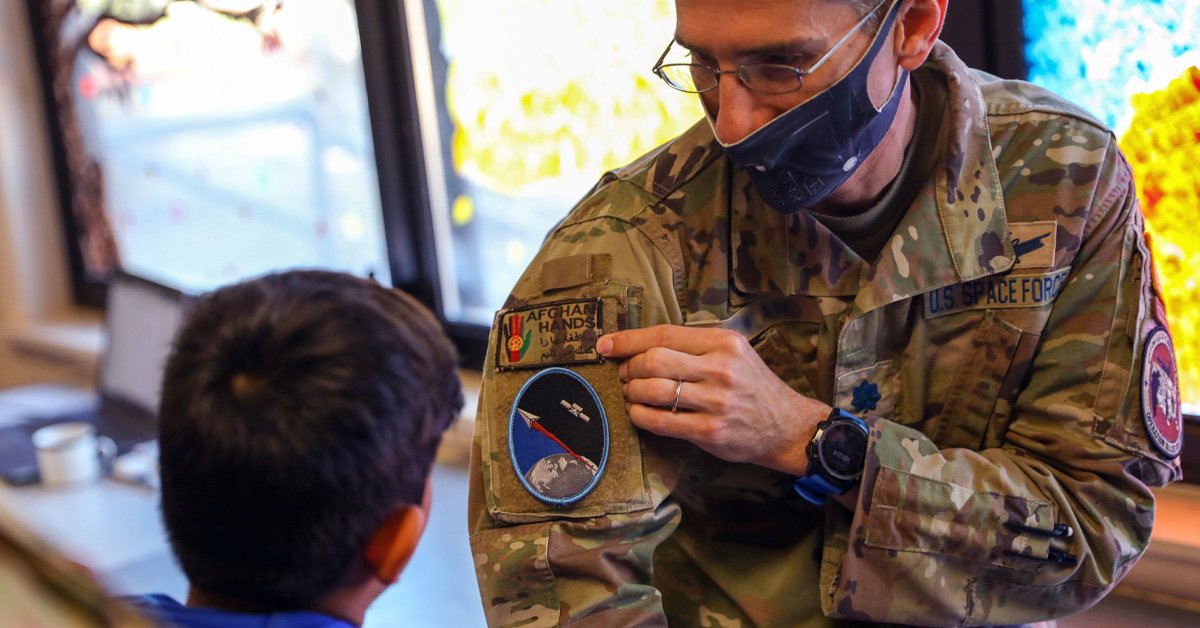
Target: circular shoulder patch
(558, 436)
(1160, 394)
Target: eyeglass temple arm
(663, 56)
(845, 39)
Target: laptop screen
(142, 319)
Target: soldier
(877, 338)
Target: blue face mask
(799, 158)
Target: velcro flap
(576, 270)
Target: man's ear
(917, 29)
(394, 542)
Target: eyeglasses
(768, 78)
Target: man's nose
(739, 112)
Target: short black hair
(298, 411)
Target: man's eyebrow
(795, 46)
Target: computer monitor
(142, 319)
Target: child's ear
(393, 544)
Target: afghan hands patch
(1160, 394)
(563, 332)
(558, 436)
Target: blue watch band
(843, 415)
(815, 487)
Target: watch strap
(839, 414)
(814, 487)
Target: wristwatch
(836, 455)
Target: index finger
(691, 340)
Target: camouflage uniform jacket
(1000, 381)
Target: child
(300, 416)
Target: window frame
(393, 95)
(87, 291)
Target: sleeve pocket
(910, 513)
(514, 576)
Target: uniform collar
(956, 230)
(666, 169)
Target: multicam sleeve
(1045, 524)
(587, 562)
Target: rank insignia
(866, 397)
(558, 437)
(1161, 411)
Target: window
(430, 142)
(1133, 64)
(207, 142)
(537, 99)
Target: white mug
(71, 453)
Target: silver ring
(675, 406)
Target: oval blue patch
(558, 436)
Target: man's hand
(730, 405)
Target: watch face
(843, 449)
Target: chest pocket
(978, 403)
(784, 358)
(785, 332)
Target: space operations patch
(1160, 394)
(558, 437)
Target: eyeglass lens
(762, 77)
